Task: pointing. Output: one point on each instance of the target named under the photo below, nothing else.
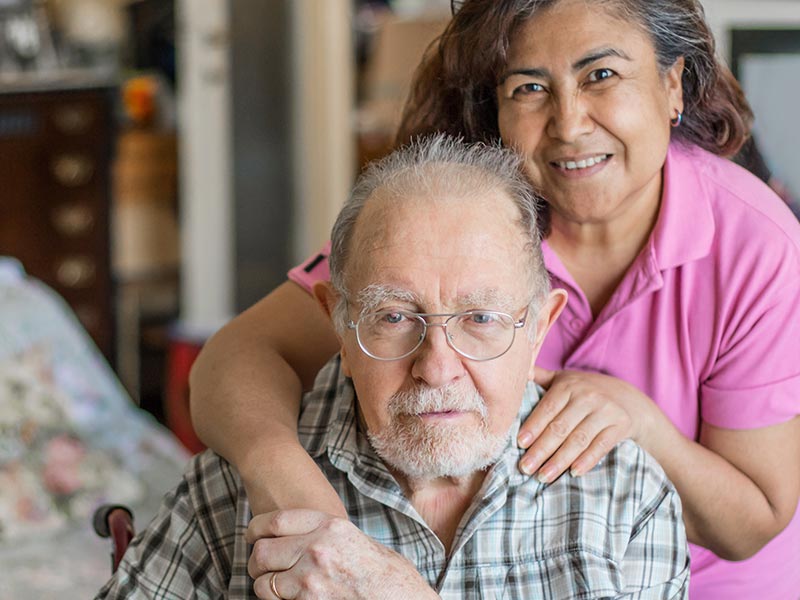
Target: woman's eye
(601, 75)
(527, 89)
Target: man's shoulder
(629, 474)
(628, 477)
(622, 516)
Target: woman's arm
(739, 488)
(245, 397)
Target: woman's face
(584, 100)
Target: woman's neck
(598, 255)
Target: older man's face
(437, 413)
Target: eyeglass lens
(481, 335)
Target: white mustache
(423, 399)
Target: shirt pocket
(566, 575)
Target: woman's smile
(581, 166)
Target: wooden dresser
(55, 155)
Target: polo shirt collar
(684, 231)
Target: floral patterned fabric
(70, 440)
(49, 472)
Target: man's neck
(442, 502)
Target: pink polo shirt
(707, 323)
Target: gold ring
(273, 587)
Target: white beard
(423, 450)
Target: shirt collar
(685, 228)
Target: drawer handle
(74, 220)
(73, 170)
(73, 120)
(76, 272)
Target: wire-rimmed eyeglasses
(478, 335)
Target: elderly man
(441, 302)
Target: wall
(725, 14)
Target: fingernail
(544, 475)
(524, 440)
(576, 472)
(526, 466)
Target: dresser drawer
(55, 156)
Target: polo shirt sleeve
(755, 381)
(314, 269)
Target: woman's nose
(569, 119)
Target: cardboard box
(397, 49)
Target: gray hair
(431, 165)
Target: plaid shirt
(615, 532)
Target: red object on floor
(181, 354)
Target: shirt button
(576, 324)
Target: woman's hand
(320, 556)
(580, 418)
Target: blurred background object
(397, 45)
(70, 439)
(145, 253)
(55, 148)
(92, 32)
(26, 41)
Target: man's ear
(328, 298)
(547, 315)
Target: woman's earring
(677, 120)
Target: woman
(683, 273)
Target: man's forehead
(375, 294)
(444, 198)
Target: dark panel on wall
(262, 152)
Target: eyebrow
(595, 55)
(586, 60)
(488, 299)
(376, 294)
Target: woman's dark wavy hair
(454, 86)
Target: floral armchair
(70, 440)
